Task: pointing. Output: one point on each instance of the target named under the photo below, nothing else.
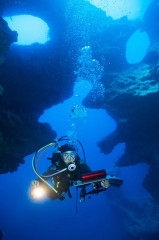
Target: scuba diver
(66, 170)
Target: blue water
(99, 217)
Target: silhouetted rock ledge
(19, 138)
(7, 37)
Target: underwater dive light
(38, 193)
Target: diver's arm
(84, 167)
(51, 170)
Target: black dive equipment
(95, 178)
(41, 151)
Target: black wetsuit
(64, 180)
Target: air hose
(71, 167)
(35, 166)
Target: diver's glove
(105, 183)
(34, 184)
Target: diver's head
(68, 153)
(69, 157)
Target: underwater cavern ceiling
(131, 94)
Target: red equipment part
(97, 175)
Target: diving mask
(69, 156)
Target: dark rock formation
(132, 98)
(6, 38)
(151, 19)
(28, 90)
(19, 137)
(33, 78)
